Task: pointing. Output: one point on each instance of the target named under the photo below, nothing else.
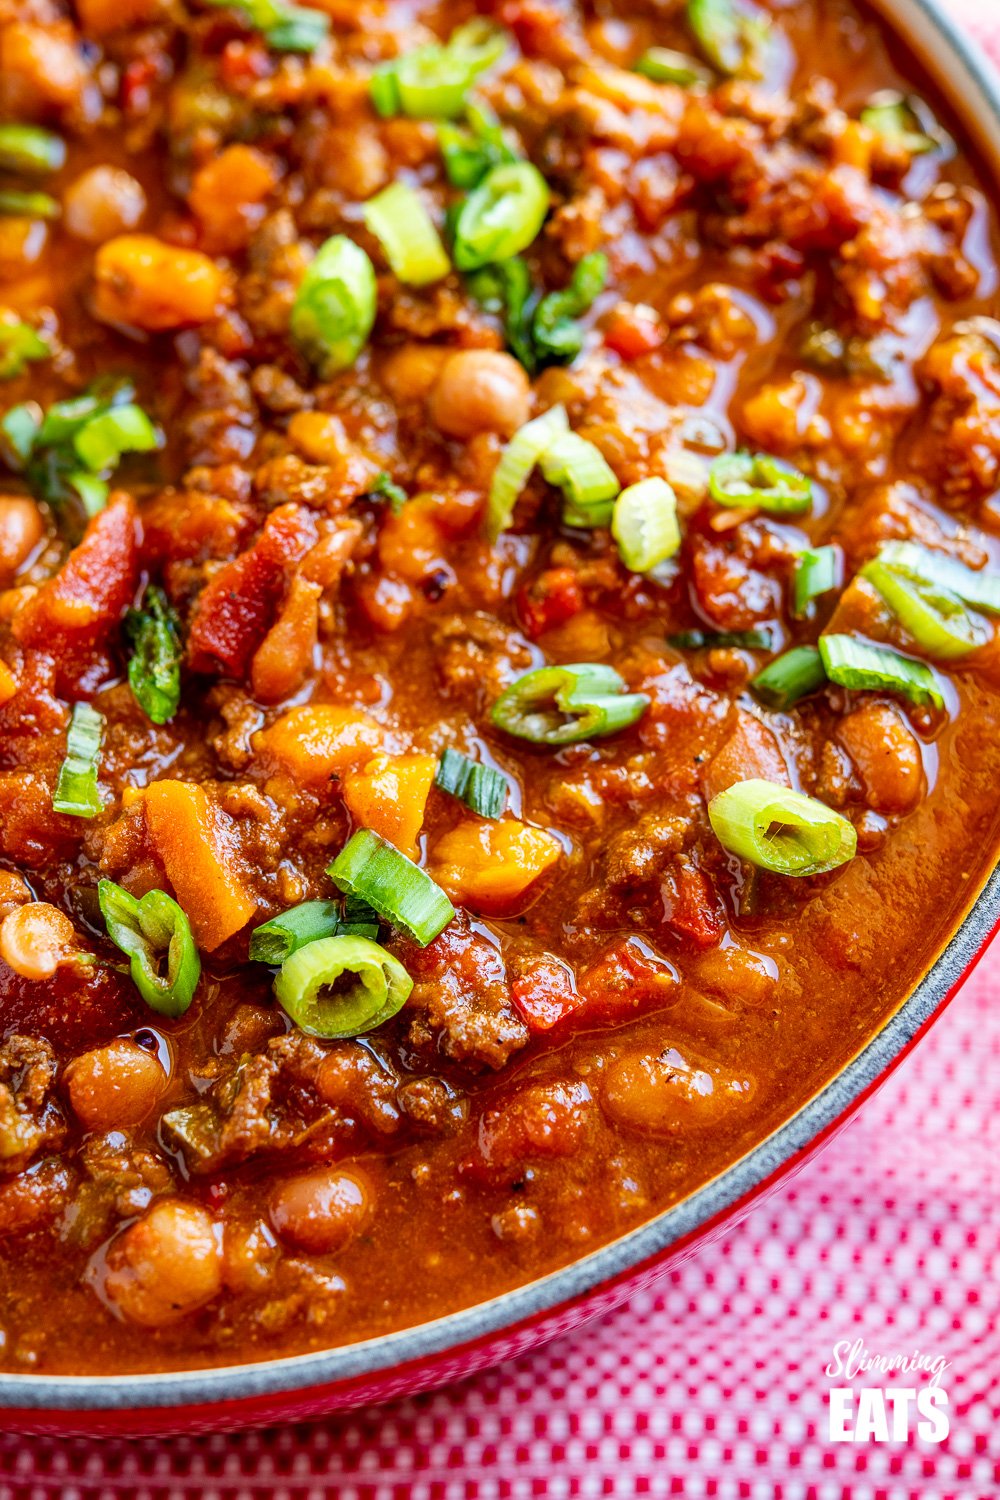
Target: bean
(667, 1094)
(102, 202)
(166, 1265)
(116, 1086)
(21, 530)
(480, 390)
(321, 1211)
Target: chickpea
(321, 1211)
(166, 1265)
(21, 530)
(102, 202)
(480, 390)
(116, 1086)
(37, 938)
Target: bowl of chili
(496, 665)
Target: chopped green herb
(154, 669)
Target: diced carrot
(8, 683)
(284, 656)
(41, 67)
(76, 610)
(104, 17)
(236, 608)
(194, 840)
(389, 794)
(142, 282)
(229, 195)
(317, 742)
(489, 866)
(319, 436)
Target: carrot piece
(142, 282)
(193, 839)
(317, 742)
(489, 866)
(285, 655)
(8, 683)
(389, 795)
(229, 195)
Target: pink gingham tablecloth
(715, 1385)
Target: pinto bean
(21, 530)
(102, 202)
(886, 756)
(321, 1211)
(662, 1094)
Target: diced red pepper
(238, 606)
(551, 599)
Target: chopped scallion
(146, 931)
(400, 892)
(644, 525)
(587, 480)
(757, 480)
(713, 640)
(433, 82)
(861, 665)
(663, 65)
(732, 36)
(30, 150)
(937, 620)
(341, 986)
(978, 587)
(780, 830)
(334, 309)
(483, 789)
(154, 668)
(563, 705)
(791, 676)
(502, 216)
(20, 205)
(399, 220)
(816, 573)
(20, 344)
(518, 459)
(278, 939)
(76, 790)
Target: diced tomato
(690, 905)
(137, 85)
(551, 599)
(545, 994)
(243, 63)
(633, 330)
(542, 1120)
(625, 982)
(238, 606)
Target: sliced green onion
(274, 941)
(401, 892)
(399, 220)
(938, 621)
(566, 704)
(506, 288)
(145, 931)
(29, 149)
(20, 344)
(469, 153)
(791, 676)
(897, 121)
(862, 665)
(154, 668)
(713, 640)
(433, 83)
(777, 829)
(816, 573)
(341, 986)
(980, 588)
(19, 429)
(556, 334)
(483, 789)
(518, 459)
(731, 36)
(334, 309)
(585, 477)
(76, 790)
(645, 526)
(101, 442)
(663, 65)
(20, 205)
(359, 918)
(760, 481)
(386, 488)
(502, 216)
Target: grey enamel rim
(975, 94)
